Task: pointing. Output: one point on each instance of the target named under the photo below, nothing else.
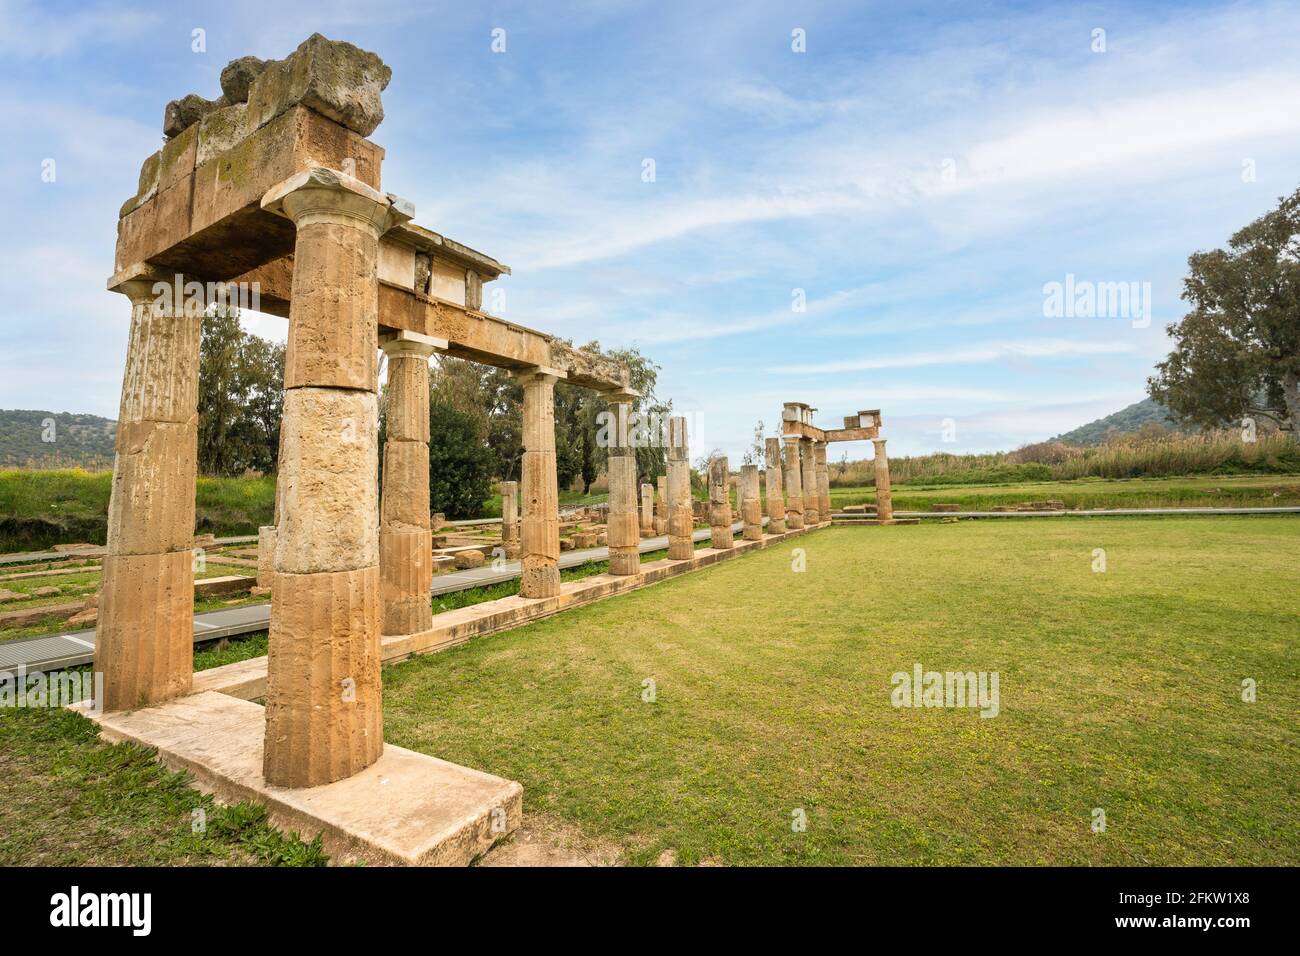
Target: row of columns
(347, 567)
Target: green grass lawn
(1119, 690)
(69, 799)
(1193, 492)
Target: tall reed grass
(1132, 456)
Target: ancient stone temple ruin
(805, 480)
(275, 189)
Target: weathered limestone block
(647, 510)
(540, 527)
(793, 477)
(237, 77)
(884, 494)
(808, 478)
(775, 486)
(336, 79)
(405, 503)
(145, 633)
(587, 367)
(337, 347)
(681, 513)
(751, 505)
(330, 516)
(510, 518)
(469, 559)
(220, 132)
(720, 503)
(823, 481)
(265, 555)
(324, 708)
(661, 504)
(151, 508)
(179, 115)
(406, 575)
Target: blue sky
(921, 172)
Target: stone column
(720, 503)
(884, 495)
(540, 539)
(751, 504)
(775, 486)
(265, 555)
(647, 510)
(510, 518)
(808, 474)
(405, 536)
(622, 525)
(324, 715)
(681, 514)
(793, 485)
(661, 505)
(145, 634)
(823, 481)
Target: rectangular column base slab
(407, 809)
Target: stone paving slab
(407, 809)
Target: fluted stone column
(661, 504)
(510, 518)
(622, 525)
(751, 503)
(265, 555)
(884, 495)
(720, 503)
(793, 476)
(775, 486)
(808, 474)
(540, 539)
(823, 481)
(324, 716)
(405, 535)
(647, 510)
(681, 514)
(145, 633)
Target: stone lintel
(850, 434)
(797, 430)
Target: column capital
(537, 375)
(137, 280)
(327, 195)
(619, 396)
(402, 342)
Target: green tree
(1238, 349)
(241, 394)
(460, 464)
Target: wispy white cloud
(973, 355)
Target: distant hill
(55, 439)
(1131, 419)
